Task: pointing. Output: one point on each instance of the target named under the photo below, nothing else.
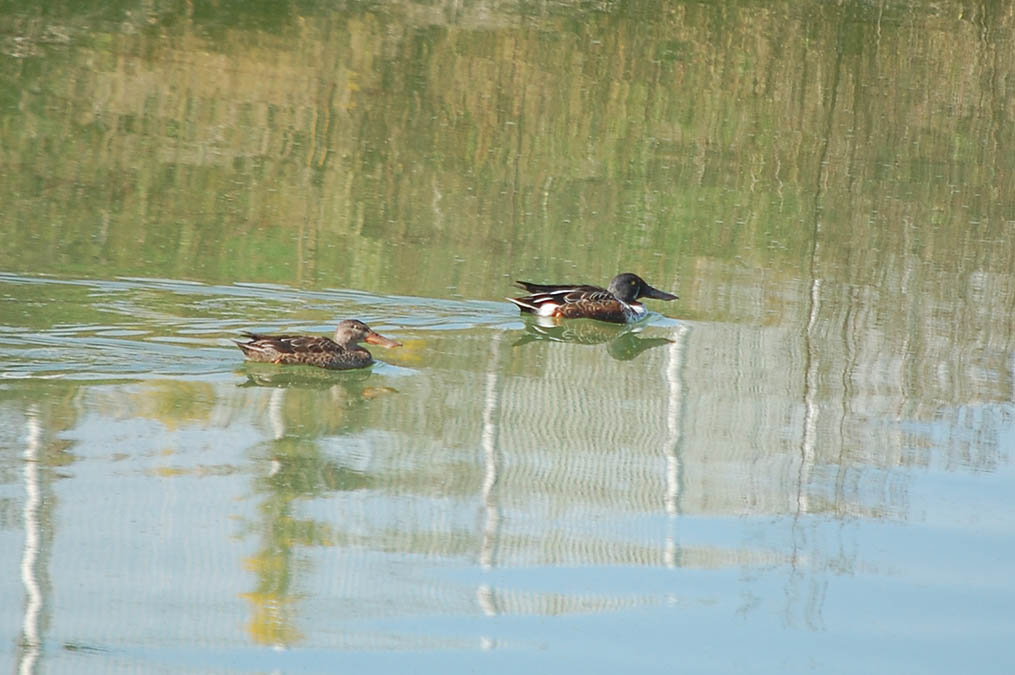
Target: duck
(617, 303)
(341, 353)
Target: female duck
(342, 353)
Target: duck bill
(649, 292)
(378, 339)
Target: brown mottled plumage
(616, 304)
(342, 353)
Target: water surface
(803, 464)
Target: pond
(803, 464)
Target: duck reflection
(307, 377)
(347, 390)
(623, 342)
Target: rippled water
(153, 328)
(491, 487)
(804, 464)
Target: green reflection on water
(827, 186)
(321, 146)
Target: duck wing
(291, 344)
(557, 289)
(560, 294)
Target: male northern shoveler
(617, 304)
(342, 353)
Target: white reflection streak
(488, 441)
(275, 417)
(488, 604)
(675, 361)
(29, 573)
(810, 407)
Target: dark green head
(629, 287)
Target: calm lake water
(804, 464)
